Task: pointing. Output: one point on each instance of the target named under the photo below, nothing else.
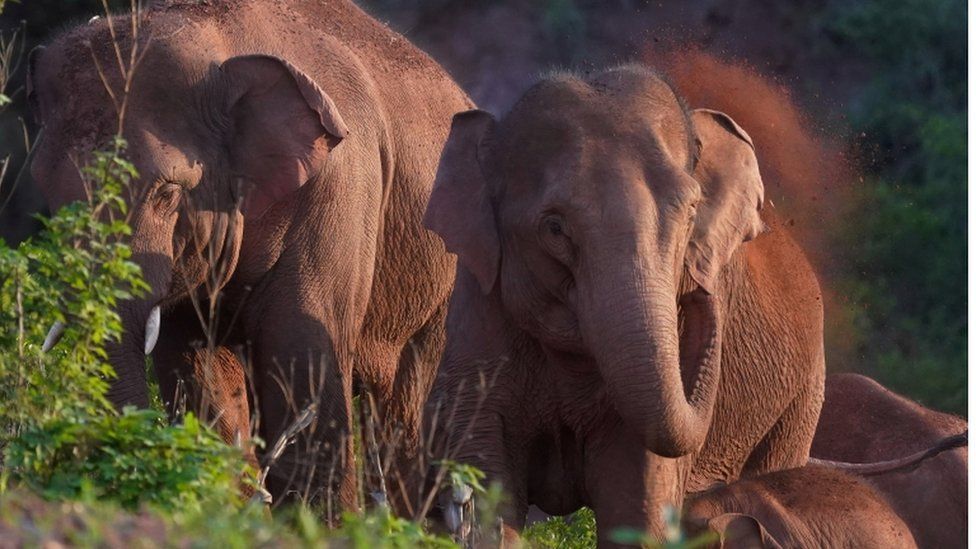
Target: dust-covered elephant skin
(863, 422)
(797, 508)
(640, 327)
(286, 149)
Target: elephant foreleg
(300, 376)
(400, 435)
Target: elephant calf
(864, 422)
(805, 507)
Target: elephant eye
(556, 238)
(554, 226)
(167, 197)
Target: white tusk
(453, 516)
(53, 336)
(93, 19)
(262, 496)
(152, 329)
(461, 494)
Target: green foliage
(577, 531)
(905, 237)
(134, 458)
(28, 521)
(76, 272)
(462, 474)
(61, 437)
(382, 530)
(674, 536)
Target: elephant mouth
(698, 326)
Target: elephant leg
(318, 466)
(482, 444)
(629, 487)
(402, 414)
(787, 444)
(295, 369)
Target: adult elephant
(631, 348)
(864, 422)
(287, 149)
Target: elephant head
(740, 531)
(218, 140)
(604, 212)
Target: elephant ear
(739, 531)
(460, 209)
(280, 123)
(732, 191)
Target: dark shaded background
(881, 82)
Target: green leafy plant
(60, 436)
(74, 273)
(461, 474)
(134, 458)
(381, 529)
(674, 536)
(577, 531)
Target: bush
(134, 458)
(577, 531)
(75, 272)
(60, 436)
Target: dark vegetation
(902, 240)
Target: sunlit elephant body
(864, 422)
(286, 149)
(597, 225)
(804, 507)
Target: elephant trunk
(128, 358)
(140, 318)
(643, 361)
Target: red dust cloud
(806, 174)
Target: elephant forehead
(165, 155)
(81, 86)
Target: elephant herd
(587, 298)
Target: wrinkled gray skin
(639, 334)
(286, 151)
